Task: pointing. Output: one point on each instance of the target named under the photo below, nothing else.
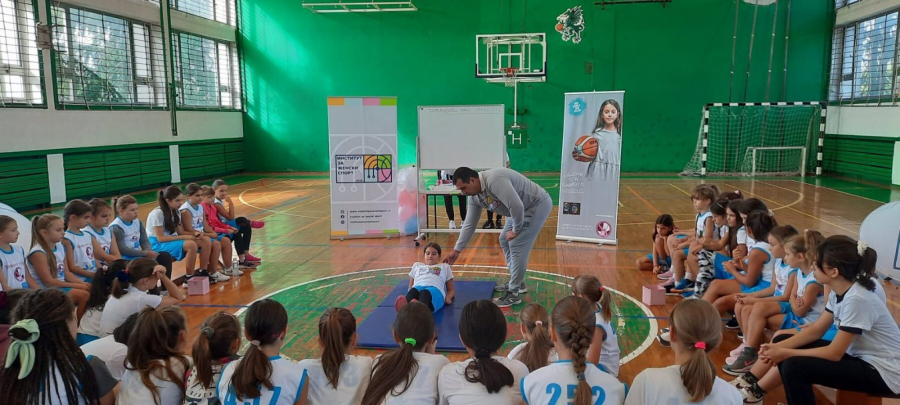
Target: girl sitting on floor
(537, 351)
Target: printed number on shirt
(231, 398)
(556, 391)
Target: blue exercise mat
(375, 331)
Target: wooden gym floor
(296, 248)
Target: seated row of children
(776, 279)
(144, 361)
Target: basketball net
(510, 80)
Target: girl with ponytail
(216, 346)
(44, 364)
(485, 377)
(262, 375)
(47, 261)
(695, 331)
(337, 378)
(156, 363)
(537, 351)
(129, 293)
(572, 328)
(604, 351)
(408, 374)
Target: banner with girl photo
(591, 160)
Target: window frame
(156, 80)
(230, 8)
(235, 69)
(22, 20)
(838, 73)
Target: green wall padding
(203, 161)
(103, 172)
(24, 182)
(670, 61)
(866, 158)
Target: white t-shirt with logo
(435, 276)
(456, 390)
(132, 231)
(782, 275)
(555, 385)
(664, 386)
(196, 215)
(288, 379)
(877, 340)
(13, 266)
(701, 222)
(352, 384)
(83, 244)
(424, 386)
(59, 252)
(117, 310)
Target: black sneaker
(740, 335)
(507, 300)
(732, 324)
(204, 273)
(664, 340)
(488, 225)
(499, 224)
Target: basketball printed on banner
(587, 147)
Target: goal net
(759, 139)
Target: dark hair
(218, 183)
(535, 319)
(464, 174)
(55, 354)
(39, 223)
(122, 333)
(6, 221)
(482, 328)
(98, 205)
(76, 208)
(735, 207)
(192, 188)
(592, 290)
(217, 335)
(414, 325)
(718, 207)
(808, 244)
(697, 322)
(170, 217)
(101, 285)
(265, 321)
(124, 201)
(732, 195)
(152, 347)
(618, 122)
(573, 320)
(664, 220)
(783, 233)
(842, 253)
(8, 303)
(760, 223)
(432, 245)
(752, 204)
(705, 192)
(137, 269)
(336, 329)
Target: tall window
(223, 11)
(864, 60)
(207, 74)
(20, 69)
(102, 60)
(843, 3)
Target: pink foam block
(654, 295)
(198, 286)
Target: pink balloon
(405, 213)
(407, 199)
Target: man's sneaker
(505, 287)
(752, 394)
(488, 225)
(452, 224)
(219, 276)
(234, 271)
(507, 300)
(204, 273)
(663, 339)
(257, 224)
(399, 303)
(665, 275)
(743, 363)
(732, 324)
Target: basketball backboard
(525, 52)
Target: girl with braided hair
(215, 347)
(571, 379)
(604, 351)
(485, 377)
(44, 364)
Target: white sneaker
(219, 276)
(234, 271)
(452, 224)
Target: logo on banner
(577, 107)
(604, 229)
(363, 168)
(570, 24)
(571, 208)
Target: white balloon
(24, 225)
(881, 231)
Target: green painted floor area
(362, 292)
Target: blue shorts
(719, 261)
(174, 248)
(220, 236)
(785, 308)
(437, 297)
(761, 285)
(232, 223)
(65, 289)
(791, 320)
(81, 339)
(830, 333)
(667, 262)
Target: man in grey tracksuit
(526, 206)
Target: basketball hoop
(509, 76)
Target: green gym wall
(669, 60)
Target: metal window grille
(864, 61)
(223, 11)
(207, 73)
(21, 76)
